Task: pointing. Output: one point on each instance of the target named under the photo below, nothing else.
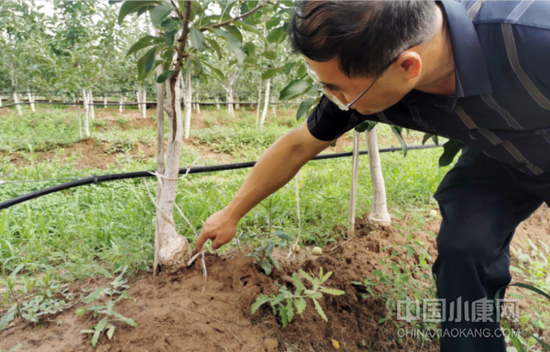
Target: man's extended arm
(275, 168)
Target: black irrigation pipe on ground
(192, 170)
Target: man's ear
(409, 64)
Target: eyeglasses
(323, 88)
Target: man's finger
(200, 242)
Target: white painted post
(379, 213)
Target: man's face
(389, 89)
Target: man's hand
(220, 228)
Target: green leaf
(532, 288)
(164, 76)
(160, 13)
(204, 78)
(300, 304)
(140, 44)
(306, 275)
(169, 37)
(142, 10)
(517, 344)
(261, 300)
(266, 266)
(132, 6)
(298, 284)
(141, 64)
(196, 9)
(8, 317)
(270, 73)
(94, 295)
(294, 89)
(288, 68)
(269, 248)
(319, 309)
(216, 71)
(277, 35)
(216, 47)
(397, 131)
(426, 137)
(110, 331)
(233, 43)
(332, 291)
(98, 330)
(249, 28)
(544, 344)
(128, 321)
(171, 23)
(289, 310)
(250, 49)
(303, 107)
(274, 262)
(149, 61)
(284, 315)
(283, 235)
(270, 54)
(197, 64)
(197, 38)
(450, 149)
(235, 31)
(81, 311)
(366, 126)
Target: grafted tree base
(174, 253)
(379, 221)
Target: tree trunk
(188, 101)
(259, 103)
(173, 250)
(273, 109)
(266, 104)
(91, 102)
(14, 85)
(16, 101)
(138, 99)
(144, 103)
(29, 96)
(160, 155)
(354, 180)
(230, 101)
(105, 101)
(197, 105)
(217, 102)
(379, 213)
(85, 102)
(0, 101)
(79, 119)
(120, 106)
(237, 106)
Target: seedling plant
(108, 323)
(285, 302)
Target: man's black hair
(364, 35)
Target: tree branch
(225, 23)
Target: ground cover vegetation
(78, 263)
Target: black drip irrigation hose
(193, 170)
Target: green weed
(285, 302)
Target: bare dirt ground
(173, 314)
